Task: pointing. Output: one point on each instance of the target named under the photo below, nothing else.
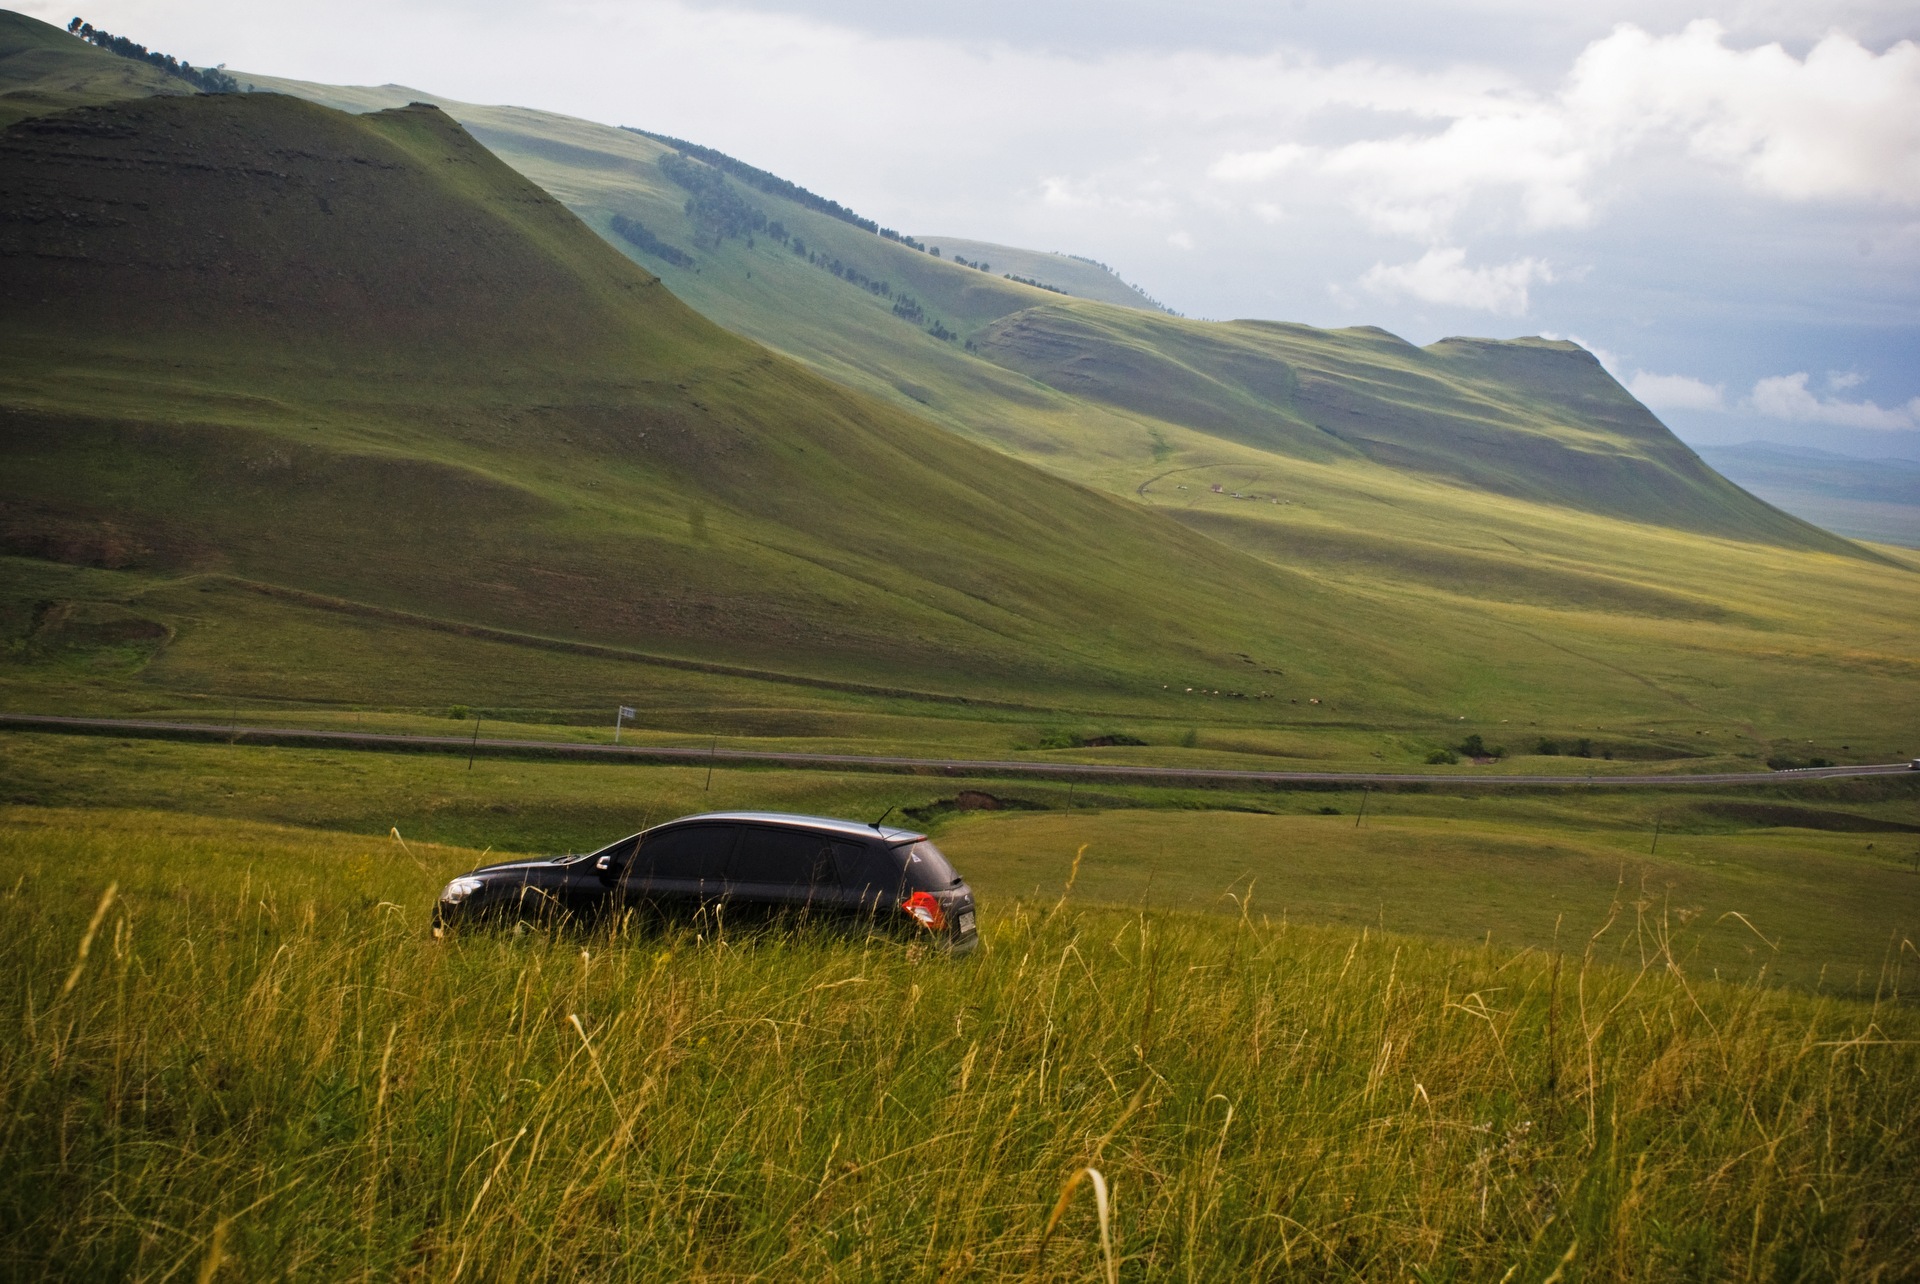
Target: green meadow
(235, 1051)
(1813, 884)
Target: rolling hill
(360, 357)
(1477, 529)
(1077, 384)
(43, 69)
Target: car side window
(871, 871)
(693, 851)
(782, 857)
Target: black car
(736, 865)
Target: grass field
(233, 1048)
(1808, 884)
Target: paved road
(863, 762)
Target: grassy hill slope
(43, 69)
(360, 356)
(1528, 418)
(1413, 600)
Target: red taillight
(926, 911)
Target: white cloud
(1416, 185)
(1787, 397)
(1843, 122)
(1841, 380)
(1246, 167)
(1676, 392)
(1441, 275)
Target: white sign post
(621, 715)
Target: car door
(591, 883)
(776, 869)
(680, 869)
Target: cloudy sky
(1721, 199)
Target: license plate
(966, 921)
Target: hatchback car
(736, 865)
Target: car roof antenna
(883, 815)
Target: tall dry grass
(265, 1068)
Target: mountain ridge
(457, 365)
(520, 496)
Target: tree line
(712, 203)
(718, 210)
(774, 185)
(1146, 298)
(207, 79)
(1038, 285)
(642, 238)
(760, 179)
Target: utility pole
(475, 745)
(713, 751)
(1656, 837)
(1365, 794)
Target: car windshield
(927, 868)
(614, 853)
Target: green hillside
(1527, 419)
(1403, 599)
(1521, 523)
(360, 357)
(43, 69)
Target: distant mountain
(1872, 499)
(358, 356)
(1064, 382)
(473, 411)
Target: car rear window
(695, 851)
(927, 869)
(784, 857)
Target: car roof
(792, 820)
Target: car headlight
(459, 889)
